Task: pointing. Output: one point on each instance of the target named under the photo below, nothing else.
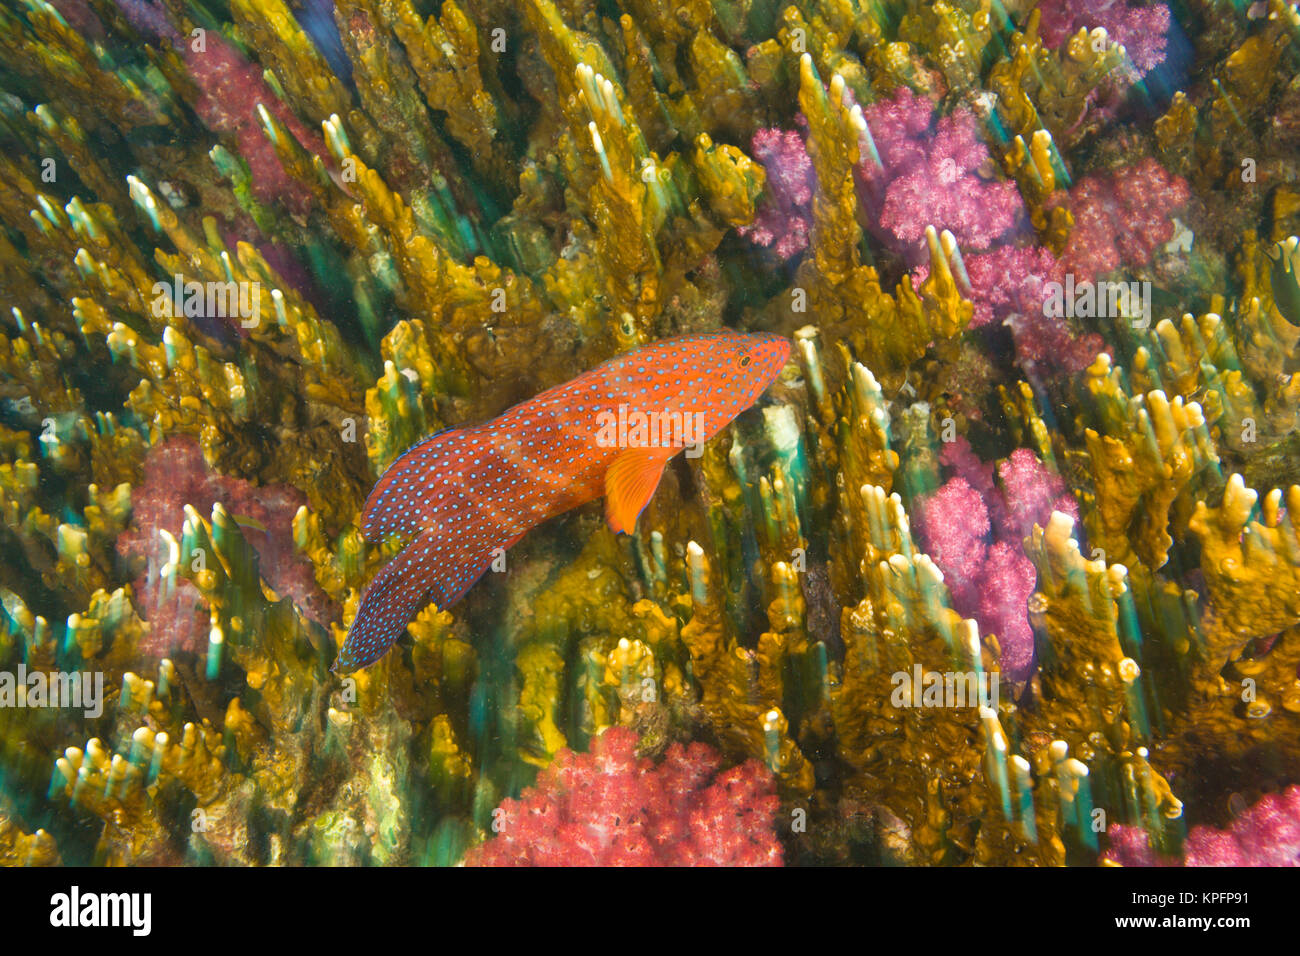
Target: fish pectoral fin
(630, 483)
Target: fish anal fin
(630, 483)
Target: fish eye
(744, 360)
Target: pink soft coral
(974, 531)
(1142, 30)
(611, 808)
(783, 220)
(1266, 834)
(915, 171)
(942, 176)
(1120, 218)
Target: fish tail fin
(429, 569)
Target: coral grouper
(467, 492)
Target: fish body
(464, 493)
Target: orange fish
(466, 494)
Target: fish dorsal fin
(630, 483)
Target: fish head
(727, 372)
(761, 356)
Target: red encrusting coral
(610, 808)
(231, 87)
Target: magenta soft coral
(1142, 30)
(924, 173)
(1121, 218)
(1006, 280)
(610, 808)
(1266, 834)
(991, 580)
(175, 475)
(782, 220)
(914, 172)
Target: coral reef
(1002, 570)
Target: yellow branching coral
(25, 849)
(741, 687)
(1040, 89)
(1077, 605)
(55, 52)
(730, 179)
(1251, 564)
(956, 35)
(501, 197)
(893, 330)
(455, 297)
(1149, 452)
(444, 53)
(1032, 164)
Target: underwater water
(865, 432)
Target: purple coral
(1030, 493)
(991, 580)
(1005, 584)
(953, 523)
(175, 475)
(1120, 219)
(915, 171)
(782, 220)
(149, 19)
(1266, 834)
